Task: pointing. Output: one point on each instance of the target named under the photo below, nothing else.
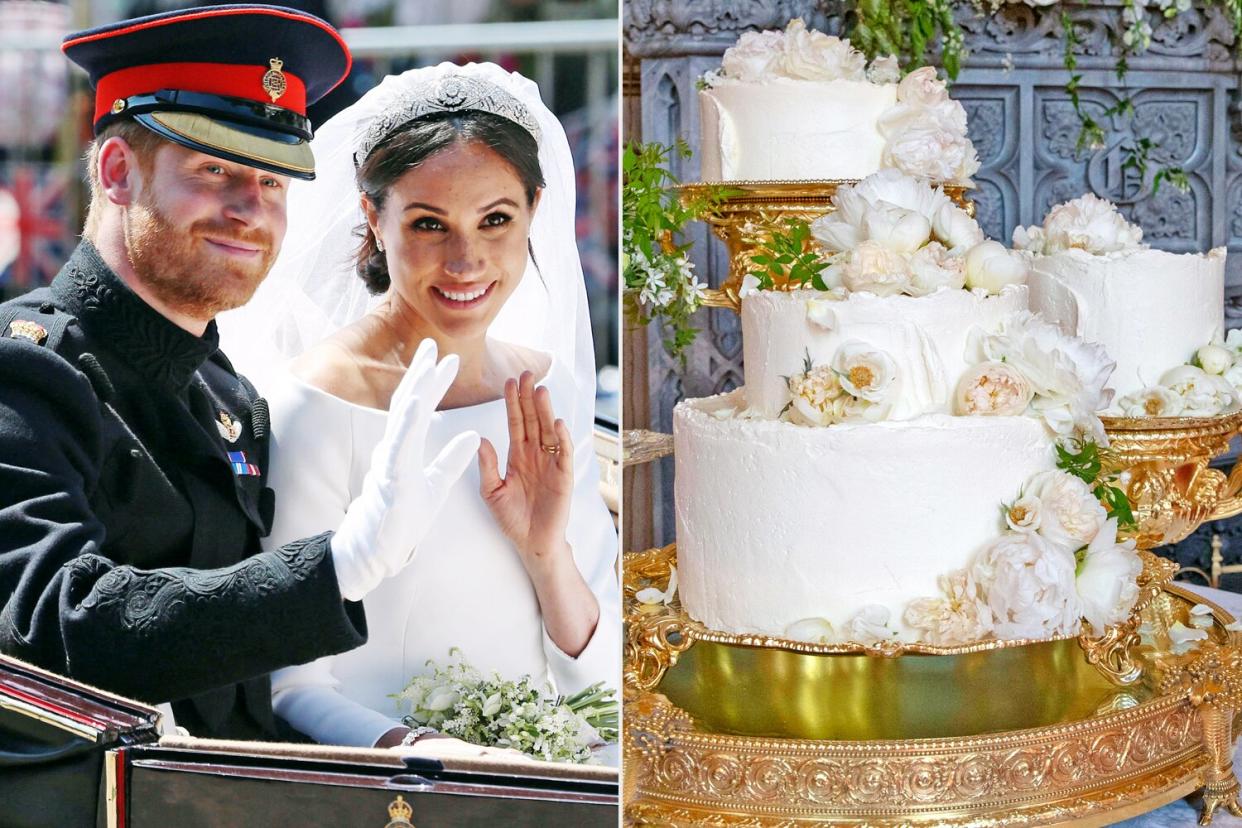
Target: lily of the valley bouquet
(925, 131)
(459, 701)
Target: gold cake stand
(747, 213)
(724, 732)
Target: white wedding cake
(802, 105)
(890, 472)
(1153, 311)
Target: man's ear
(120, 177)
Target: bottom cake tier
(778, 523)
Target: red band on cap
(210, 78)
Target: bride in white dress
(467, 240)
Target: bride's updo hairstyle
(410, 145)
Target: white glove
(400, 496)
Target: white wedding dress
(465, 588)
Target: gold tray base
(735, 735)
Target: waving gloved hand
(401, 494)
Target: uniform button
(135, 453)
(47, 307)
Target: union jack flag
(44, 238)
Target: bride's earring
(379, 244)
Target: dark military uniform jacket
(132, 501)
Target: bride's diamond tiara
(452, 93)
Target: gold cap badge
(399, 812)
(22, 329)
(118, 106)
(274, 82)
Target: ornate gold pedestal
(1171, 487)
(722, 733)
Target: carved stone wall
(1184, 90)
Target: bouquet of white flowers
(458, 701)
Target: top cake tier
(800, 105)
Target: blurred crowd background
(568, 46)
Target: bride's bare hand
(531, 503)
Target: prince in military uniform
(132, 455)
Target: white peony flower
(922, 87)
(874, 268)
(750, 286)
(1183, 637)
(1215, 359)
(1203, 394)
(1029, 587)
(960, 616)
(1092, 224)
(1233, 341)
(1024, 514)
(932, 267)
(753, 57)
(816, 397)
(1068, 372)
(884, 69)
(869, 625)
(992, 388)
(1107, 578)
(956, 229)
(815, 630)
(835, 234)
(934, 152)
(897, 228)
(1234, 376)
(1154, 401)
(864, 372)
(653, 595)
(1070, 515)
(892, 187)
(811, 55)
(989, 265)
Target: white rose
(1030, 239)
(893, 187)
(1154, 401)
(869, 625)
(1024, 514)
(884, 69)
(811, 55)
(989, 265)
(897, 228)
(933, 152)
(956, 229)
(835, 234)
(932, 267)
(1092, 224)
(875, 268)
(815, 630)
(922, 87)
(751, 59)
(1071, 516)
(816, 397)
(992, 388)
(1204, 394)
(864, 372)
(961, 616)
(1215, 359)
(1107, 579)
(1029, 586)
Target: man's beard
(178, 267)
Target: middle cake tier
(779, 523)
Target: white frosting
(785, 129)
(925, 336)
(1150, 309)
(778, 522)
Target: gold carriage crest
(274, 82)
(399, 813)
